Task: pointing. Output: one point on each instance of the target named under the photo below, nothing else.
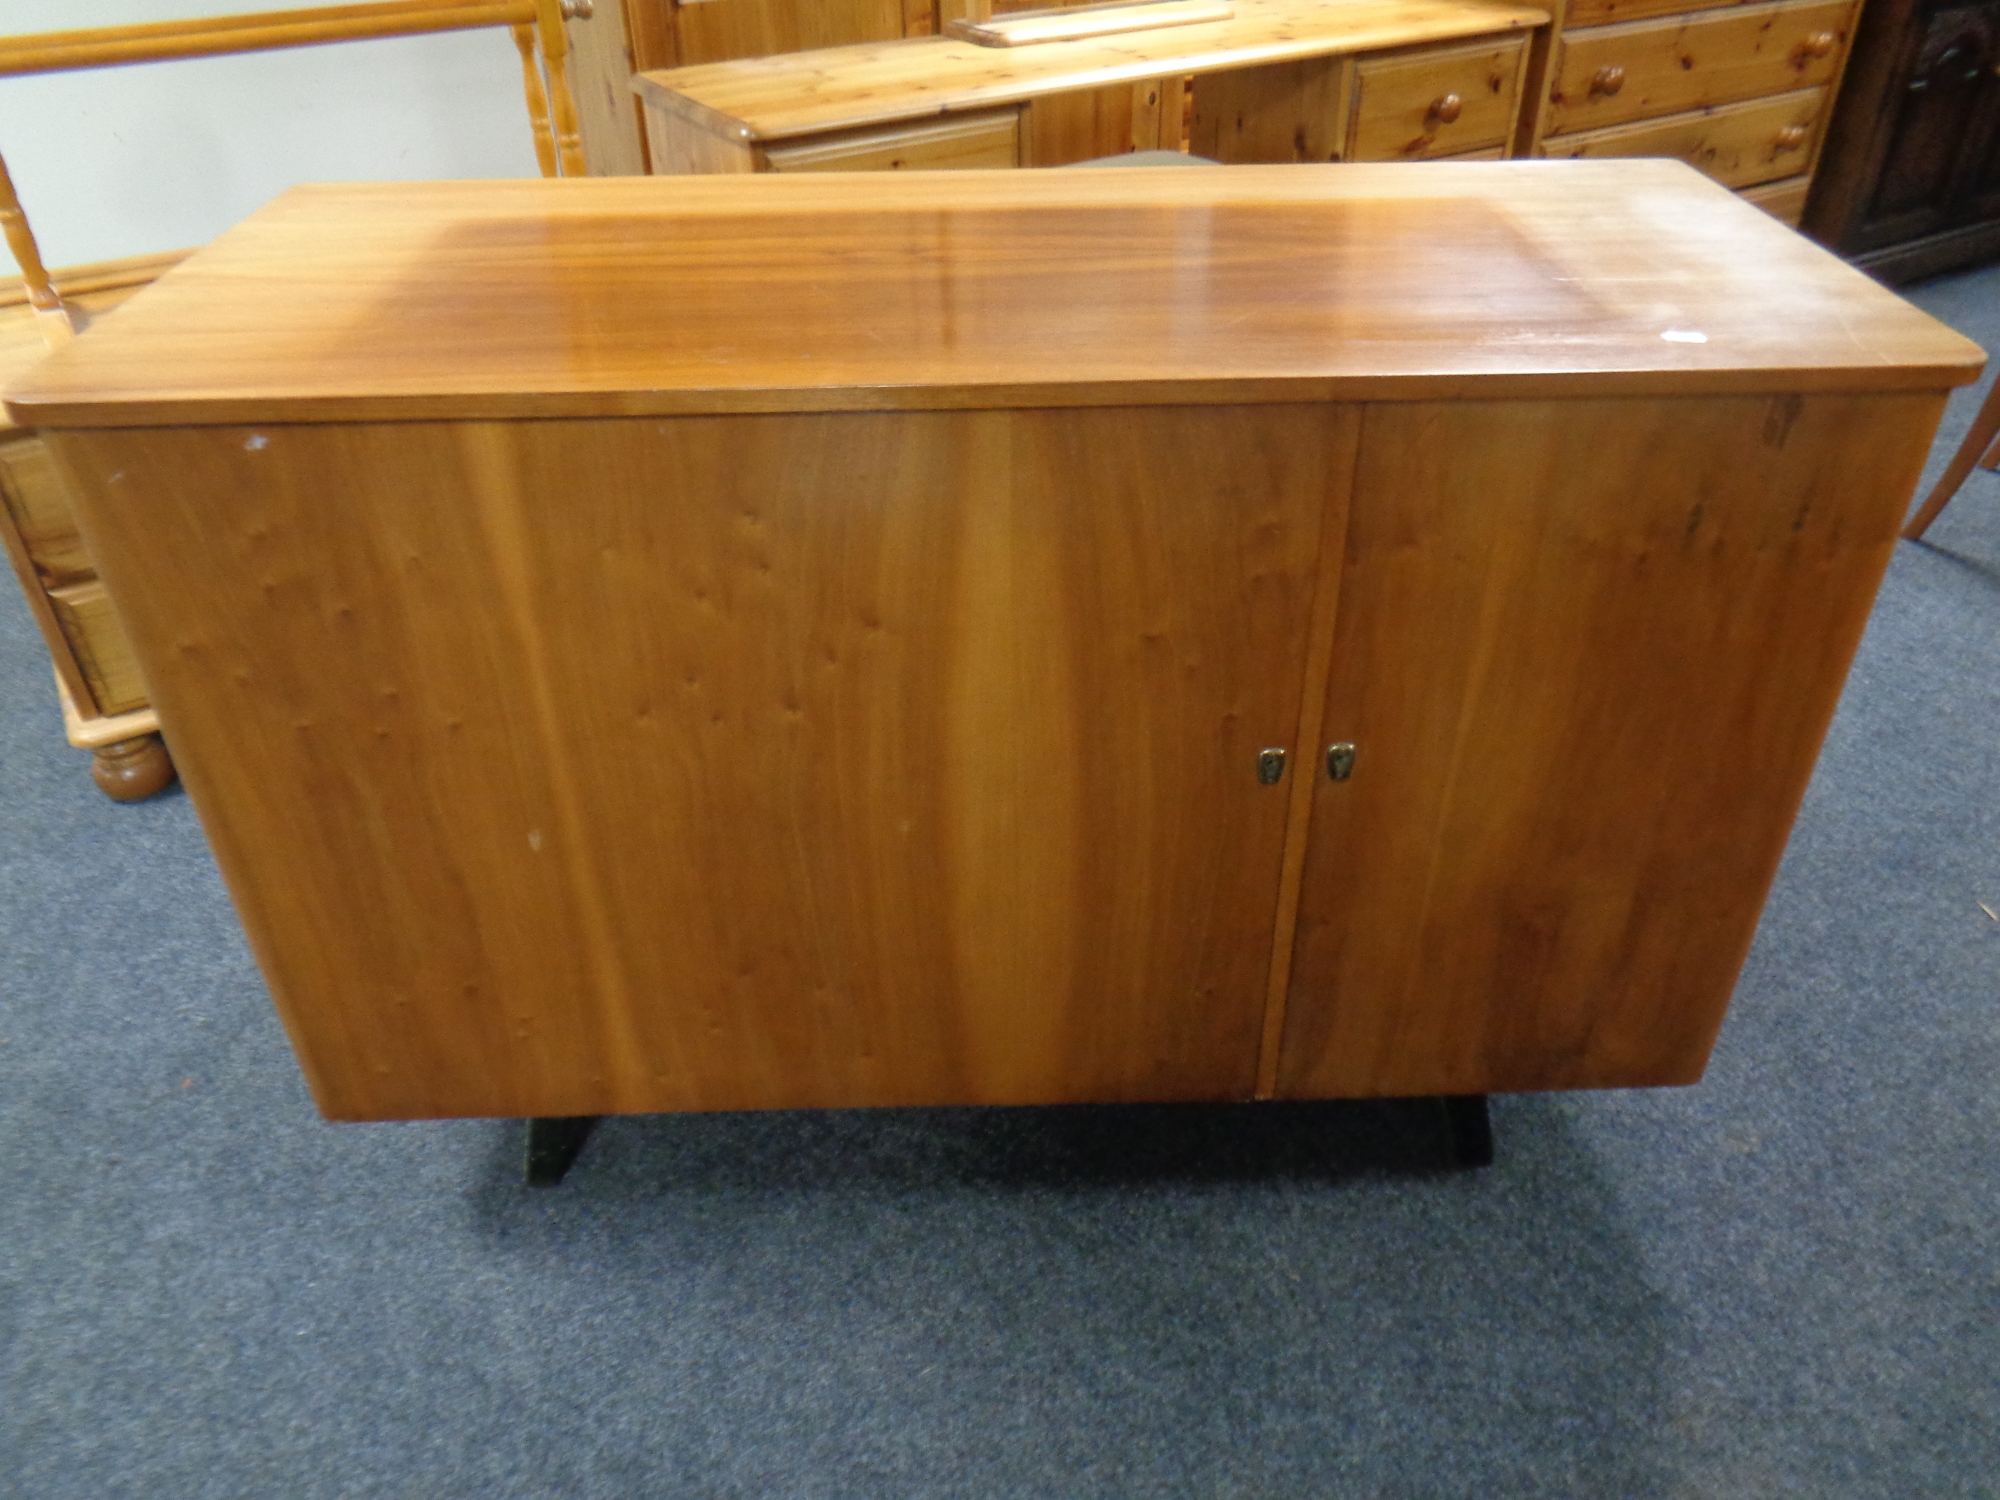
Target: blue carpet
(1783, 1281)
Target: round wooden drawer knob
(1607, 81)
(1792, 137)
(1819, 44)
(1447, 109)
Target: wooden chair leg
(538, 101)
(1992, 459)
(1979, 445)
(549, 16)
(51, 317)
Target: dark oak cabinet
(1910, 182)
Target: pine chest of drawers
(1743, 92)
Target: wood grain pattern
(1085, 124)
(649, 28)
(715, 33)
(1715, 57)
(1739, 145)
(1391, 107)
(1577, 772)
(1606, 12)
(38, 528)
(673, 149)
(69, 675)
(988, 288)
(702, 755)
(98, 732)
(1439, 102)
(780, 97)
(407, 746)
(1532, 121)
(1289, 111)
(1159, 114)
(601, 67)
(31, 489)
(1304, 777)
(1073, 23)
(97, 640)
(713, 763)
(78, 284)
(1784, 200)
(992, 139)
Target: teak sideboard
(998, 637)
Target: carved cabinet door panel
(1937, 164)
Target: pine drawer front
(1611, 74)
(32, 491)
(991, 139)
(1434, 103)
(102, 651)
(1583, 13)
(1739, 145)
(1784, 200)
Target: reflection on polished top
(886, 290)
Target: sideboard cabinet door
(724, 762)
(1586, 652)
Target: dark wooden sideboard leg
(1471, 1129)
(553, 1144)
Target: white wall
(122, 161)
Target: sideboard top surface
(773, 98)
(881, 291)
